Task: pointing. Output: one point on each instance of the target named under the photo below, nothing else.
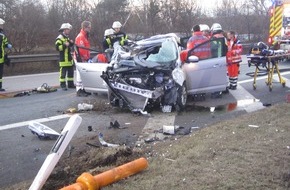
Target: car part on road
(42, 131)
(104, 143)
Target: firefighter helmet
(117, 24)
(216, 27)
(109, 32)
(65, 26)
(2, 21)
(204, 27)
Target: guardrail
(50, 57)
(33, 58)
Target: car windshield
(166, 54)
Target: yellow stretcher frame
(271, 65)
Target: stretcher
(270, 62)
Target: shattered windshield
(166, 54)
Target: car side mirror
(193, 59)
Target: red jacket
(203, 51)
(234, 52)
(83, 41)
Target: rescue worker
(197, 38)
(3, 55)
(119, 35)
(218, 47)
(108, 39)
(63, 44)
(233, 58)
(205, 30)
(83, 54)
(217, 31)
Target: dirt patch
(248, 152)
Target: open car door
(210, 74)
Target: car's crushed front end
(150, 76)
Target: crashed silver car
(150, 74)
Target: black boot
(70, 84)
(63, 85)
(1, 89)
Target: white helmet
(65, 26)
(2, 21)
(216, 26)
(204, 27)
(109, 32)
(117, 24)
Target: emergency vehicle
(279, 30)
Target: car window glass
(167, 53)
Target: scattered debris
(255, 126)
(24, 93)
(44, 88)
(104, 143)
(85, 107)
(71, 110)
(116, 125)
(170, 159)
(183, 130)
(169, 129)
(267, 104)
(93, 145)
(42, 131)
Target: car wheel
(181, 97)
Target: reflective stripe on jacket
(65, 57)
(121, 37)
(203, 51)
(4, 43)
(234, 52)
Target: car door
(91, 76)
(210, 74)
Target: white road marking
(41, 120)
(243, 94)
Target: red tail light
(270, 40)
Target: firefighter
(119, 35)
(3, 55)
(108, 38)
(83, 44)
(218, 47)
(233, 59)
(205, 30)
(217, 31)
(63, 44)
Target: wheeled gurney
(269, 61)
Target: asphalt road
(22, 153)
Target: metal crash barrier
(269, 61)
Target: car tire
(181, 97)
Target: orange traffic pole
(88, 182)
